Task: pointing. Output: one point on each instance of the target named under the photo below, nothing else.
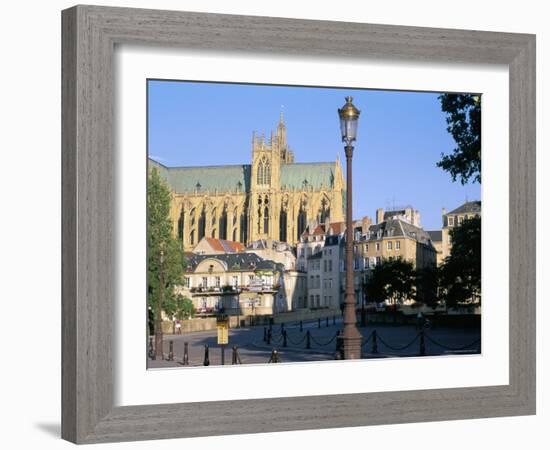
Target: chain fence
(296, 342)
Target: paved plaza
(391, 341)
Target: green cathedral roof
(232, 178)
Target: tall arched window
(264, 173)
(244, 228)
(302, 219)
(223, 225)
(180, 225)
(234, 235)
(260, 177)
(266, 220)
(267, 173)
(202, 225)
(282, 226)
(192, 237)
(324, 211)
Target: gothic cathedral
(272, 198)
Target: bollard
(374, 343)
(334, 320)
(151, 349)
(234, 355)
(269, 336)
(265, 334)
(284, 338)
(301, 326)
(206, 357)
(308, 339)
(422, 344)
(338, 355)
(274, 356)
(171, 351)
(185, 354)
(319, 323)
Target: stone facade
(272, 198)
(442, 238)
(240, 284)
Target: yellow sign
(223, 332)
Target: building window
(366, 263)
(397, 245)
(204, 282)
(264, 173)
(302, 252)
(451, 221)
(378, 260)
(377, 247)
(318, 281)
(460, 220)
(186, 282)
(235, 281)
(318, 300)
(330, 265)
(218, 282)
(266, 220)
(312, 300)
(366, 248)
(325, 266)
(389, 245)
(250, 278)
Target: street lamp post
(350, 338)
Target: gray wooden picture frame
(90, 34)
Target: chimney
(379, 215)
(365, 223)
(443, 214)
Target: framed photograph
(292, 216)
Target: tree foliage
(392, 280)
(464, 124)
(461, 271)
(427, 285)
(160, 241)
(179, 307)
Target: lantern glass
(349, 119)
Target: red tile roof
(221, 245)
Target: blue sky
(401, 137)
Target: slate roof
(236, 261)
(436, 235)
(210, 178)
(227, 178)
(468, 207)
(320, 174)
(399, 228)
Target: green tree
(464, 124)
(392, 280)
(427, 285)
(461, 271)
(179, 307)
(166, 262)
